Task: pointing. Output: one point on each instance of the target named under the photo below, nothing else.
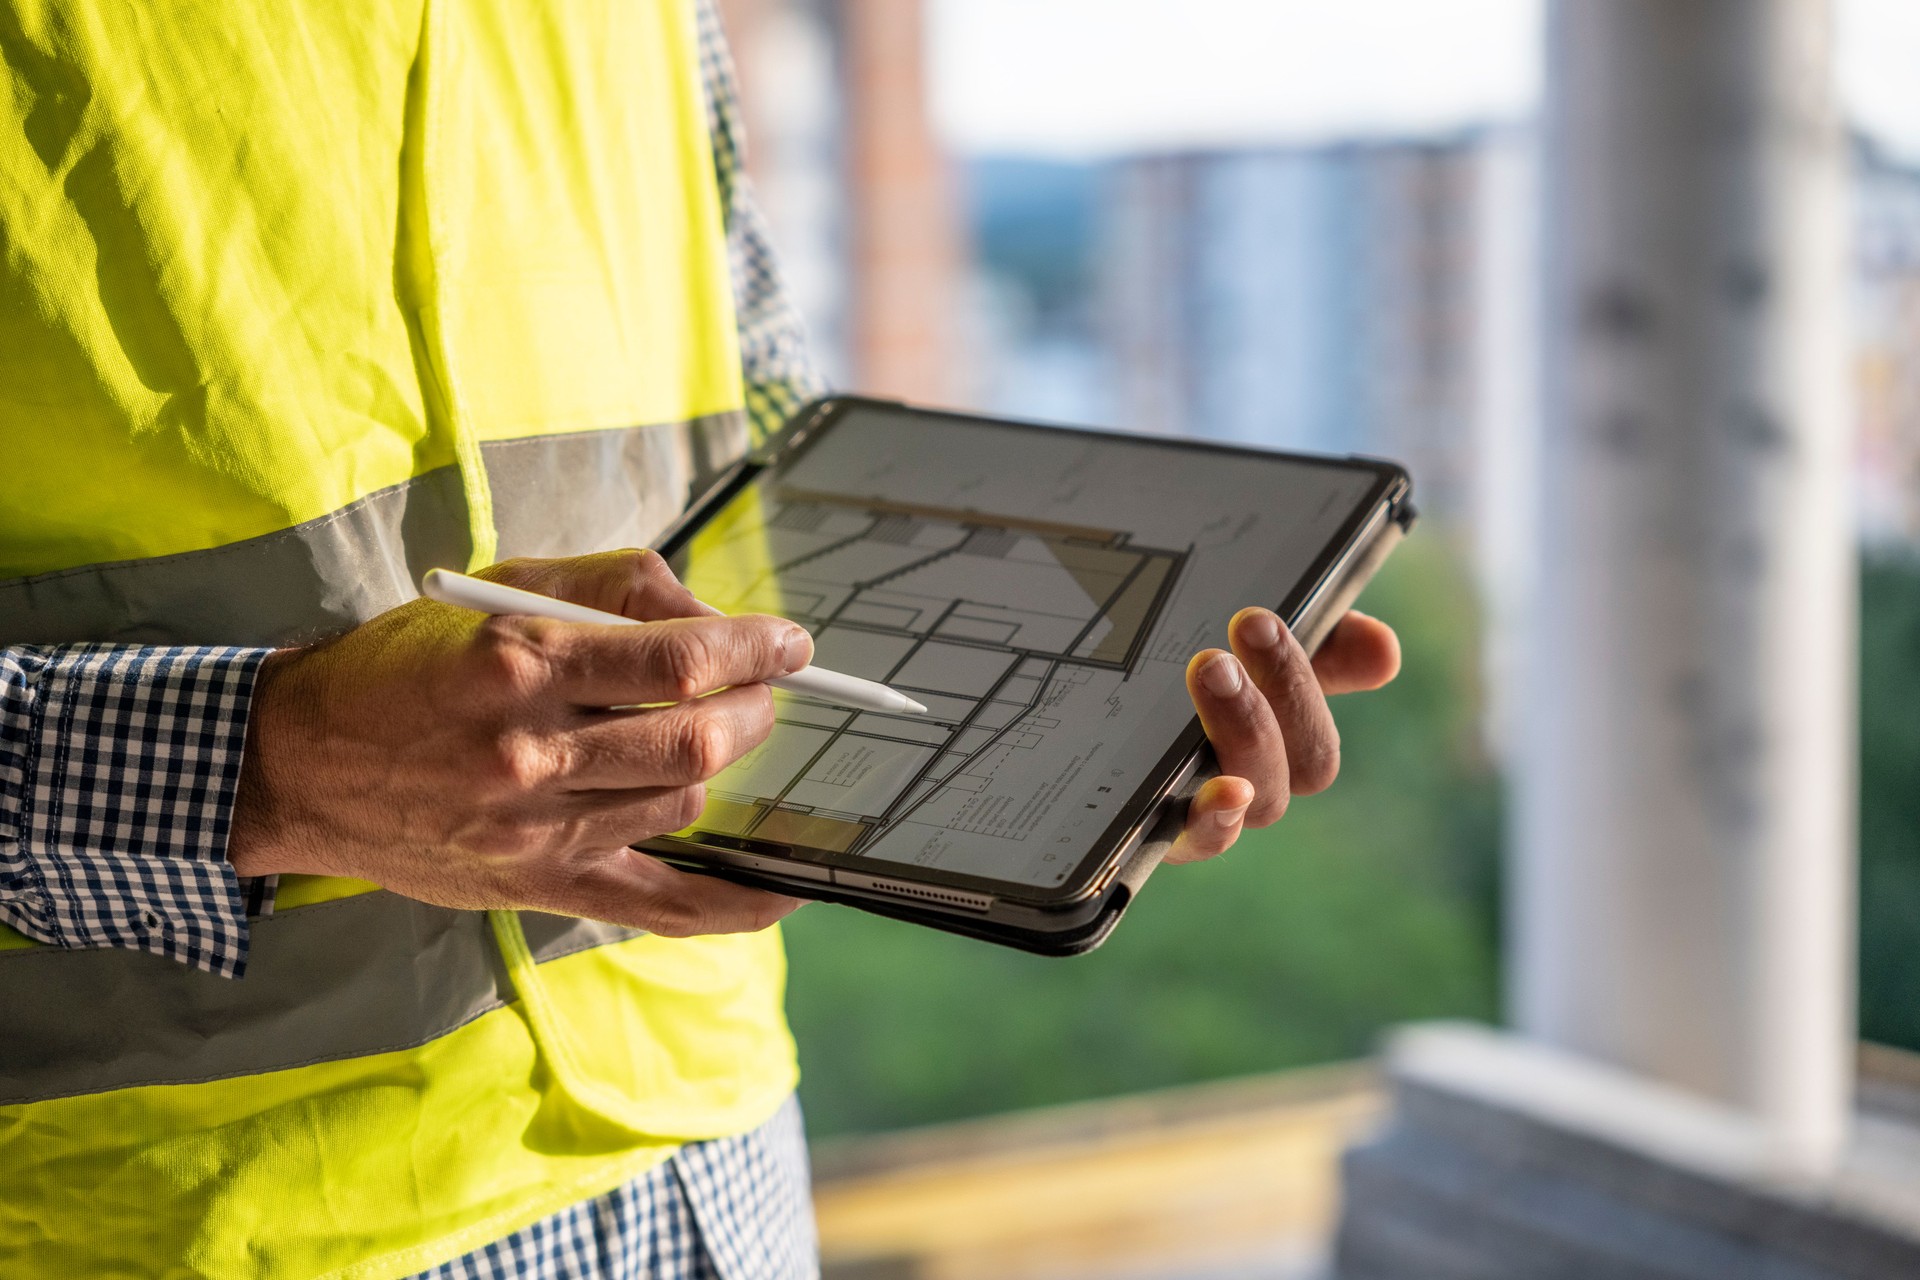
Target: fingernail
(1221, 675)
(796, 649)
(1230, 818)
(1261, 630)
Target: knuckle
(1252, 744)
(516, 654)
(646, 566)
(686, 659)
(1285, 680)
(515, 571)
(768, 645)
(705, 748)
(676, 918)
(644, 575)
(1301, 685)
(519, 762)
(1252, 722)
(1317, 768)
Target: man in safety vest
(325, 952)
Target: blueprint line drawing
(1041, 591)
(1005, 628)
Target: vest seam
(476, 488)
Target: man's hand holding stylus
(473, 761)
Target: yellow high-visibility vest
(296, 301)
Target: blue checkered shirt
(118, 766)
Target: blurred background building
(1282, 224)
(1330, 293)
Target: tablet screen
(1040, 590)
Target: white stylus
(453, 588)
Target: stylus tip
(915, 707)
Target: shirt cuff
(118, 768)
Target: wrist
(263, 837)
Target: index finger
(670, 661)
(635, 583)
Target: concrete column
(1683, 886)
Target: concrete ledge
(1508, 1159)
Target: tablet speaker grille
(948, 897)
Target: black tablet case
(1312, 627)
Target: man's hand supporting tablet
(474, 761)
(1265, 710)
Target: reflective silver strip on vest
(363, 975)
(552, 496)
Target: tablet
(1041, 590)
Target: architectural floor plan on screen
(1006, 629)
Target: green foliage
(1369, 905)
(1890, 801)
(1372, 904)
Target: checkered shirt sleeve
(118, 767)
(780, 374)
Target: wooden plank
(1187, 1178)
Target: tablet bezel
(1097, 866)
